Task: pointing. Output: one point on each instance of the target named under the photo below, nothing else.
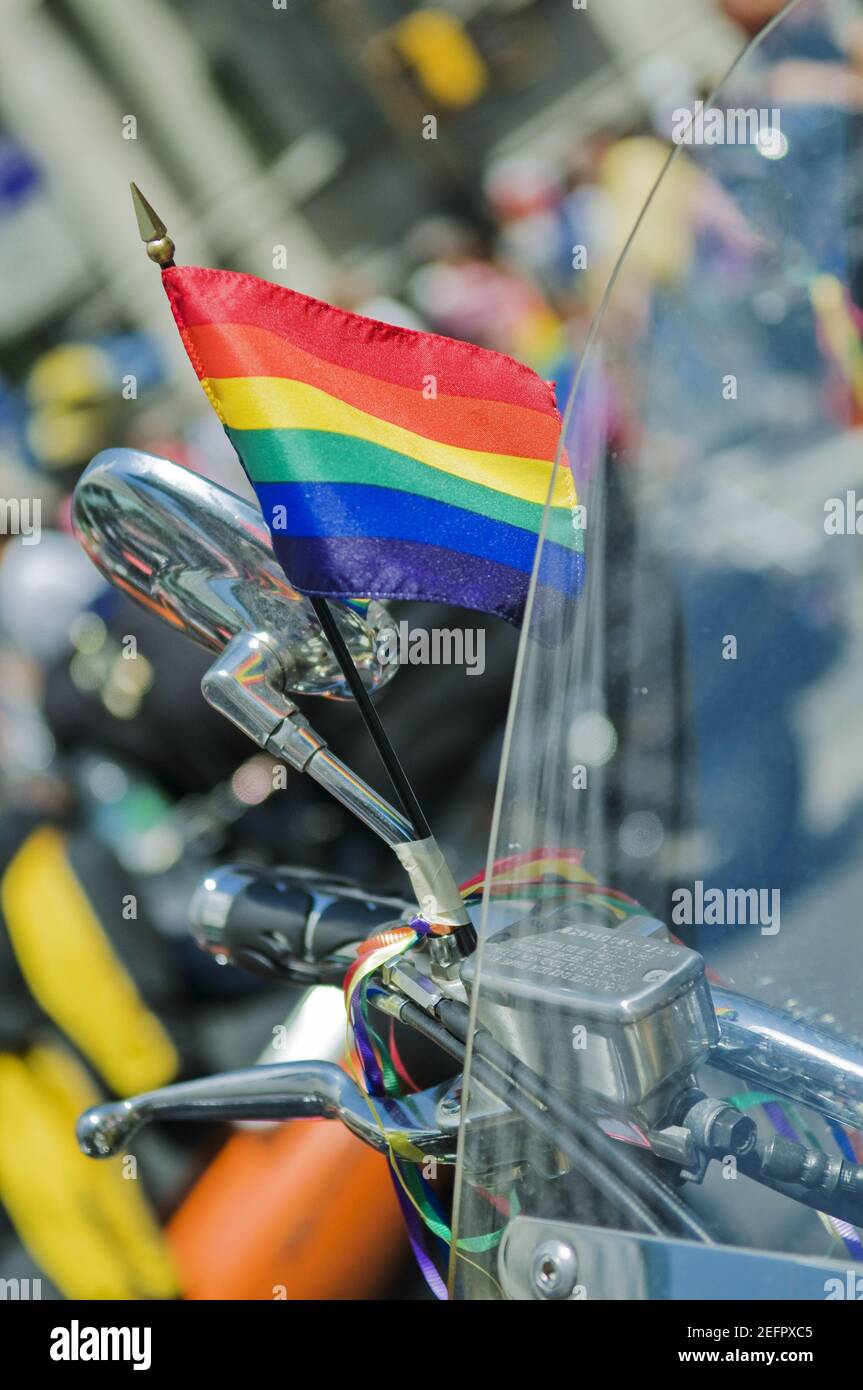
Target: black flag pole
(372, 720)
(160, 249)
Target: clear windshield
(680, 807)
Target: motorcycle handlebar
(285, 922)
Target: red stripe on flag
(396, 355)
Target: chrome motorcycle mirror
(200, 558)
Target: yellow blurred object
(663, 248)
(73, 972)
(60, 436)
(71, 391)
(839, 329)
(443, 55)
(72, 374)
(86, 1224)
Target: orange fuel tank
(301, 1211)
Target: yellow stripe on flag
(72, 970)
(274, 403)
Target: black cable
(456, 1018)
(776, 1165)
(538, 1119)
(372, 720)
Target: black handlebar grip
(282, 922)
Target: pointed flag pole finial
(154, 233)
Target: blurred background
(433, 166)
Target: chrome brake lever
(416, 1126)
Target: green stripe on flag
(316, 456)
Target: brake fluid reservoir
(637, 1008)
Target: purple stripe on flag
(412, 570)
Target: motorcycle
(640, 1065)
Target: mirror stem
(243, 685)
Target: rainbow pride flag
(388, 463)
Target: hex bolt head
(733, 1133)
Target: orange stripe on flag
(243, 350)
